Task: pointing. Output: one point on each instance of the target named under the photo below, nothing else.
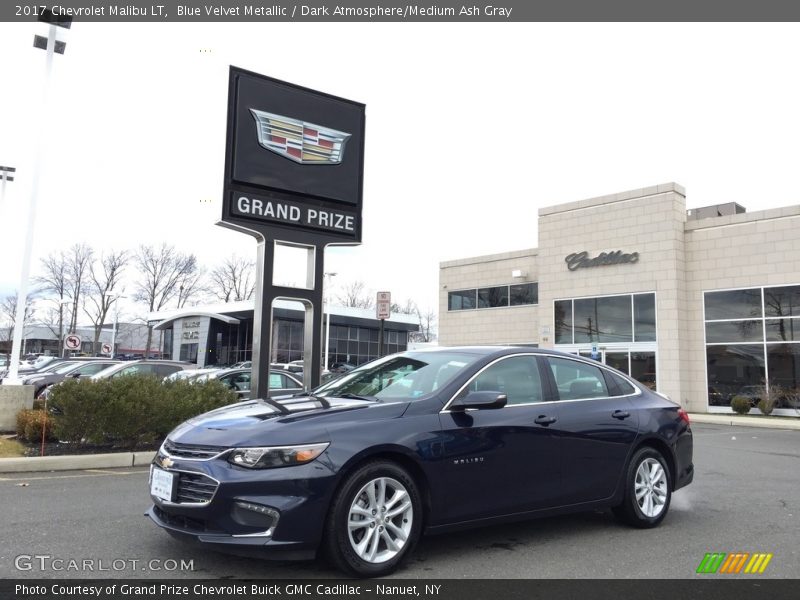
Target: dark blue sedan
(421, 442)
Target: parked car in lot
(281, 383)
(420, 441)
(67, 369)
(154, 367)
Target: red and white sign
(72, 342)
(383, 305)
(105, 348)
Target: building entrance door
(637, 360)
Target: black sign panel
(294, 161)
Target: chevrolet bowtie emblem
(167, 462)
(300, 141)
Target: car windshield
(65, 368)
(409, 376)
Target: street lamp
(52, 46)
(329, 276)
(5, 175)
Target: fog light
(250, 514)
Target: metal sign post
(383, 309)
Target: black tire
(629, 511)
(338, 548)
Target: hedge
(131, 410)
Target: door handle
(620, 414)
(544, 420)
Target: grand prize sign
(294, 168)
(294, 161)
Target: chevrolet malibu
(421, 442)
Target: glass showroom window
(753, 340)
(606, 319)
(498, 296)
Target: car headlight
(276, 456)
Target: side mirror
(76, 375)
(480, 400)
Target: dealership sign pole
(294, 165)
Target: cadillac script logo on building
(581, 260)
(299, 141)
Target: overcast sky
(471, 128)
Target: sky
(470, 129)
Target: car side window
(517, 377)
(623, 387)
(576, 380)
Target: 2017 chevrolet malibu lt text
(417, 442)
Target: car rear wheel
(648, 490)
(375, 520)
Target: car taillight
(684, 416)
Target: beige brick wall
(512, 325)
(746, 250)
(649, 221)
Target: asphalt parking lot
(745, 498)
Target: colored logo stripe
(758, 563)
(711, 562)
(734, 563)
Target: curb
(744, 421)
(35, 464)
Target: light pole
(61, 304)
(52, 46)
(329, 277)
(6, 175)
(114, 327)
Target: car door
(596, 426)
(505, 460)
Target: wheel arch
(396, 456)
(664, 450)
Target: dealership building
(223, 333)
(700, 304)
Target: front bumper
(207, 506)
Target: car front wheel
(648, 490)
(375, 520)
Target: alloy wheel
(650, 487)
(380, 520)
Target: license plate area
(163, 484)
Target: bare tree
(160, 272)
(427, 325)
(54, 281)
(354, 295)
(190, 286)
(79, 260)
(100, 294)
(233, 280)
(8, 309)
(409, 307)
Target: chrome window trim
(637, 392)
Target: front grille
(191, 451)
(195, 487)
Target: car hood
(262, 423)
